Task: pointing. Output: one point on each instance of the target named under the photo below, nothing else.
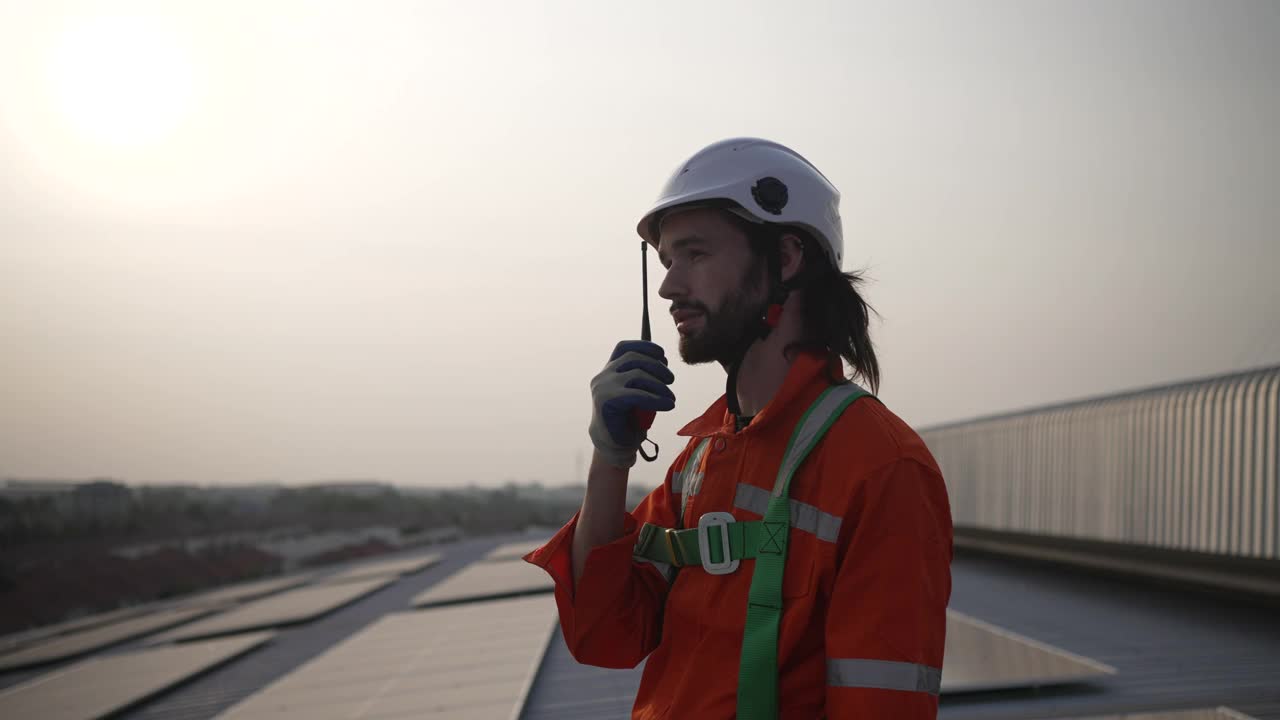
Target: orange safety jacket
(866, 582)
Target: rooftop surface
(1171, 650)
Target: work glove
(634, 381)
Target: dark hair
(836, 317)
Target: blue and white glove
(635, 380)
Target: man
(795, 563)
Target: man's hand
(635, 380)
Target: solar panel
(982, 657)
(243, 591)
(287, 608)
(486, 581)
(13, 641)
(210, 600)
(1221, 713)
(568, 690)
(466, 661)
(74, 644)
(514, 551)
(396, 568)
(100, 686)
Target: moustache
(690, 306)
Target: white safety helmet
(767, 181)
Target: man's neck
(763, 370)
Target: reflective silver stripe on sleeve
(804, 516)
(814, 420)
(883, 675)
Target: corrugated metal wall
(1188, 467)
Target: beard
(724, 330)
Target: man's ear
(791, 255)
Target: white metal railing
(1188, 467)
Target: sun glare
(121, 80)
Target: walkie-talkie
(644, 418)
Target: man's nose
(673, 286)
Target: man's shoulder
(868, 436)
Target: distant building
(245, 498)
(97, 497)
(18, 489)
(101, 498)
(355, 488)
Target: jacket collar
(806, 371)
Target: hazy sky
(295, 241)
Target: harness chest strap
(763, 540)
(681, 548)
